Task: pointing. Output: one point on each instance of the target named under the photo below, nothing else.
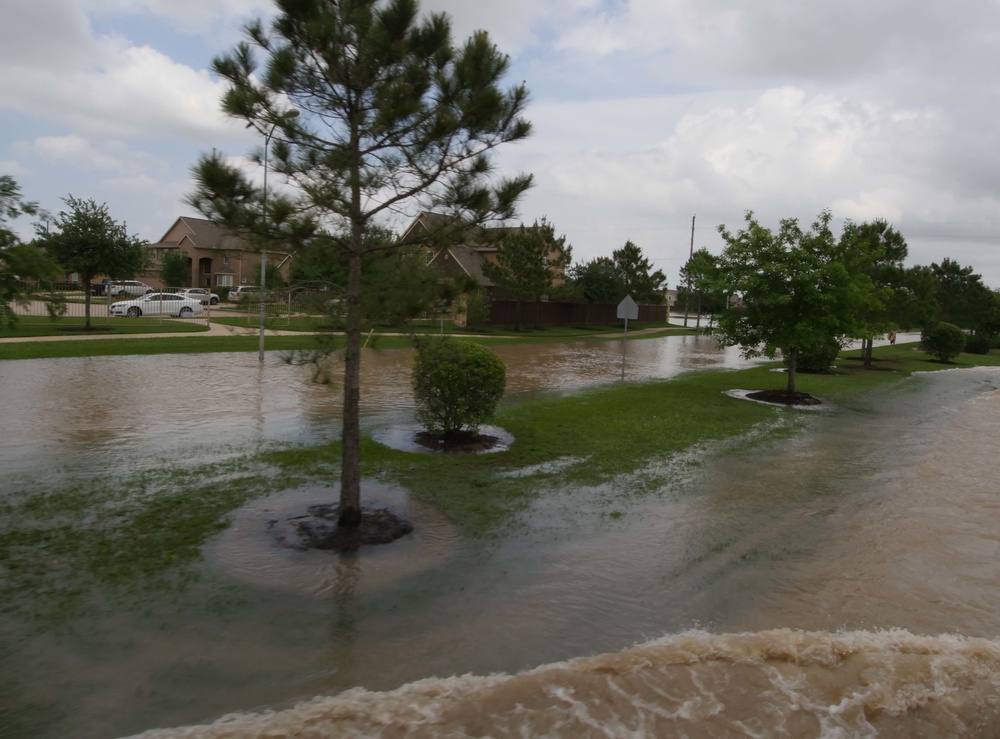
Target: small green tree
(457, 385)
(599, 282)
(528, 261)
(943, 340)
(400, 286)
(85, 239)
(694, 287)
(477, 309)
(794, 290)
(17, 261)
(176, 269)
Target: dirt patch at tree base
(457, 443)
(318, 529)
(783, 397)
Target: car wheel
(134, 312)
(214, 301)
(149, 291)
(186, 312)
(122, 293)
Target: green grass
(32, 326)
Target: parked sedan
(158, 304)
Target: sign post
(627, 309)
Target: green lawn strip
(159, 345)
(32, 326)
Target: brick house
(460, 257)
(216, 257)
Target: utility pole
(687, 294)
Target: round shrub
(979, 343)
(816, 357)
(944, 340)
(457, 385)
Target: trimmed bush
(979, 343)
(944, 340)
(457, 385)
(816, 358)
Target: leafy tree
(878, 250)
(457, 385)
(85, 239)
(176, 270)
(399, 285)
(396, 284)
(795, 292)
(914, 302)
(477, 308)
(528, 262)
(633, 268)
(696, 281)
(944, 340)
(393, 117)
(17, 261)
(598, 282)
(962, 297)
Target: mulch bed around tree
(318, 529)
(462, 442)
(783, 397)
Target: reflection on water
(879, 516)
(109, 415)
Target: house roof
(468, 259)
(473, 244)
(204, 234)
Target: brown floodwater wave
(765, 684)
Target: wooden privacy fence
(504, 313)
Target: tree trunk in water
(350, 469)
(793, 357)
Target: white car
(158, 304)
(244, 293)
(199, 293)
(121, 288)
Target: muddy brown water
(841, 582)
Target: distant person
(892, 338)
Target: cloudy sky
(646, 113)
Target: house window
(225, 280)
(225, 257)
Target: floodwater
(842, 582)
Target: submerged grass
(148, 531)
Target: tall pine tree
(392, 117)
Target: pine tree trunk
(350, 470)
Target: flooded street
(880, 516)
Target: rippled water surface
(880, 515)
